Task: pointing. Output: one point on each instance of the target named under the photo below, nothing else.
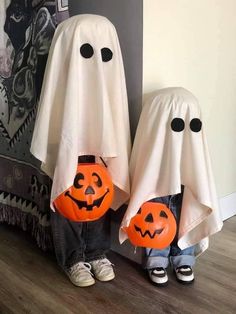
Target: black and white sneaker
(158, 276)
(184, 274)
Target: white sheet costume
(170, 149)
(83, 107)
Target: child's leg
(154, 257)
(69, 248)
(157, 258)
(96, 235)
(180, 257)
(97, 240)
(156, 263)
(182, 260)
(68, 241)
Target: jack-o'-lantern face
(154, 226)
(90, 196)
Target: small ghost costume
(83, 106)
(83, 111)
(170, 150)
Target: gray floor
(31, 282)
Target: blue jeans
(173, 254)
(79, 241)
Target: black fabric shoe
(158, 276)
(184, 274)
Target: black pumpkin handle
(89, 159)
(103, 161)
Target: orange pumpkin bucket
(89, 197)
(154, 226)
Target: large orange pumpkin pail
(89, 197)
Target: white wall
(192, 43)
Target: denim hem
(156, 261)
(72, 263)
(181, 260)
(96, 257)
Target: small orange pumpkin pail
(154, 226)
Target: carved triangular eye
(139, 211)
(149, 218)
(163, 214)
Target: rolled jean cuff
(72, 263)
(95, 257)
(181, 260)
(156, 261)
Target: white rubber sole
(105, 278)
(84, 283)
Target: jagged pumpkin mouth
(84, 204)
(147, 232)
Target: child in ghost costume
(83, 112)
(170, 164)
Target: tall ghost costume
(83, 107)
(170, 150)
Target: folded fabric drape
(83, 106)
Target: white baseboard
(228, 206)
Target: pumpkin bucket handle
(103, 161)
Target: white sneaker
(102, 269)
(80, 275)
(184, 274)
(158, 276)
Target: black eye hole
(196, 125)
(98, 181)
(177, 124)
(77, 178)
(163, 214)
(106, 54)
(149, 218)
(86, 51)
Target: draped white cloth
(83, 108)
(162, 159)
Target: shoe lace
(103, 262)
(80, 267)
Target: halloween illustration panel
(28, 29)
